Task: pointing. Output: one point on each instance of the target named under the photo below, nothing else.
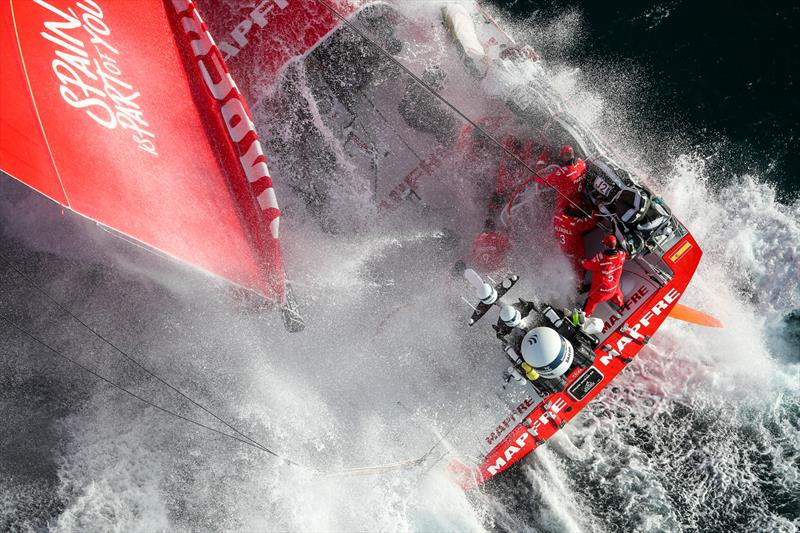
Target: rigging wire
(241, 438)
(133, 394)
(128, 357)
(542, 179)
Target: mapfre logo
(87, 66)
(550, 413)
(259, 16)
(632, 333)
(237, 120)
(508, 454)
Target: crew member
(607, 271)
(490, 247)
(568, 179)
(573, 219)
(571, 226)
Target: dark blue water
(721, 75)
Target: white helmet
(547, 352)
(510, 315)
(487, 294)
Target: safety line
(350, 471)
(456, 110)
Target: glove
(489, 250)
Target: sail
(125, 113)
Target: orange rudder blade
(687, 314)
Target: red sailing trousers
(607, 271)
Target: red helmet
(609, 241)
(567, 155)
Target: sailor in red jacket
(573, 217)
(491, 246)
(607, 270)
(568, 179)
(570, 227)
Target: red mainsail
(125, 113)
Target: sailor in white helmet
(549, 353)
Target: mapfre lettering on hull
(633, 332)
(509, 452)
(237, 120)
(259, 16)
(550, 414)
(87, 67)
(630, 300)
(500, 431)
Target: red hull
(611, 357)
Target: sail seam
(35, 107)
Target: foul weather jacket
(607, 271)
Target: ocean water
(701, 433)
(721, 77)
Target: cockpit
(640, 218)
